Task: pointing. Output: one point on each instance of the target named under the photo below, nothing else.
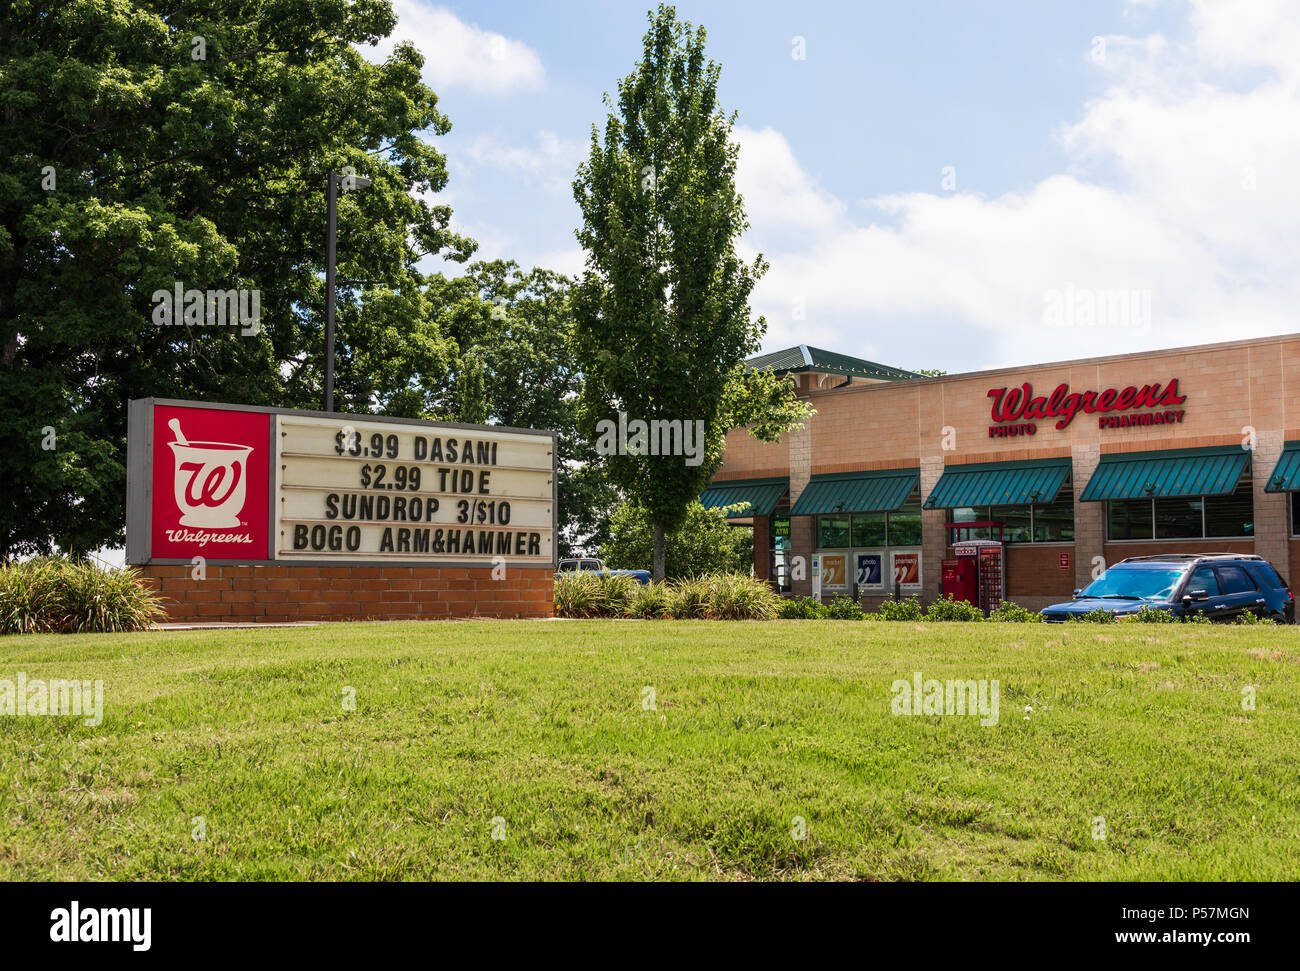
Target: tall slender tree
(662, 318)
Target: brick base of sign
(288, 593)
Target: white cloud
(550, 163)
(570, 261)
(457, 54)
(1201, 141)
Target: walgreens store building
(1020, 483)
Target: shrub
(908, 609)
(67, 596)
(844, 608)
(649, 601)
(27, 597)
(616, 592)
(1010, 612)
(1250, 618)
(689, 599)
(720, 596)
(1197, 617)
(577, 594)
(1146, 614)
(803, 608)
(1098, 616)
(735, 596)
(948, 609)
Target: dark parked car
(1221, 586)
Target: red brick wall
(1034, 572)
(288, 593)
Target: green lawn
(541, 726)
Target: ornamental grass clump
(64, 596)
(734, 596)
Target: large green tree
(704, 542)
(663, 324)
(148, 143)
(514, 366)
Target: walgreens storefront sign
(1016, 410)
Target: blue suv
(1221, 586)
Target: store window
(1130, 518)
(905, 525)
(1017, 522)
(1178, 518)
(833, 532)
(866, 530)
(1054, 521)
(1190, 517)
(869, 529)
(1051, 522)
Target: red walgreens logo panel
(211, 483)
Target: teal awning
(1286, 474)
(760, 496)
(856, 492)
(999, 483)
(1168, 474)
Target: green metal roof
(1167, 474)
(1286, 474)
(999, 483)
(856, 492)
(761, 495)
(794, 360)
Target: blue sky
(1136, 157)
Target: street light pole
(330, 252)
(349, 181)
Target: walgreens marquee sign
(234, 484)
(1017, 410)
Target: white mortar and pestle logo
(212, 494)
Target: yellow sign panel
(347, 488)
(834, 570)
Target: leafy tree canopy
(148, 144)
(512, 332)
(703, 543)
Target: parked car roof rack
(1191, 556)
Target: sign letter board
(237, 484)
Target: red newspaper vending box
(959, 579)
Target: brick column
(934, 541)
(801, 527)
(1089, 517)
(1272, 523)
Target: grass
(541, 727)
